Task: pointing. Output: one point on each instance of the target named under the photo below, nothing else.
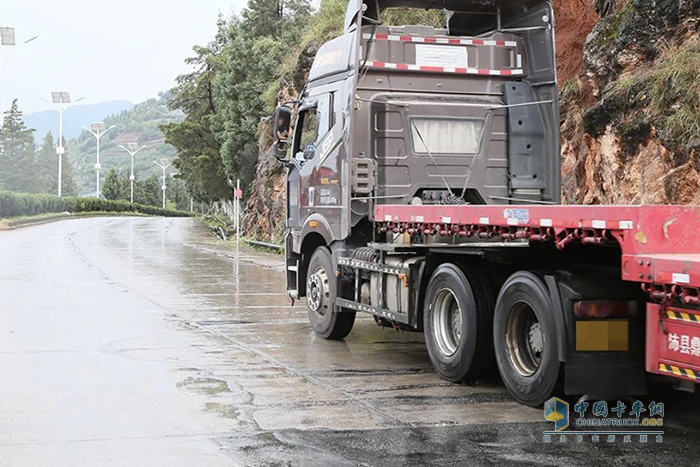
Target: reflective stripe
(439, 40)
(442, 69)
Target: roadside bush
(25, 204)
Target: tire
(525, 339)
(459, 347)
(320, 298)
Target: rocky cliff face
(631, 120)
(629, 73)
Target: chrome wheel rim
(447, 322)
(317, 293)
(524, 339)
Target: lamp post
(132, 149)
(62, 99)
(7, 38)
(163, 164)
(98, 130)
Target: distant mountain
(73, 118)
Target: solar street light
(97, 129)
(163, 164)
(7, 36)
(62, 99)
(132, 149)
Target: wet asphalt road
(144, 342)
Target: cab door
(313, 145)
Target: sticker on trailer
(387, 218)
(626, 225)
(517, 216)
(441, 55)
(418, 219)
(599, 224)
(446, 220)
(484, 220)
(680, 278)
(545, 222)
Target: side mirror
(283, 122)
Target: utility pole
(62, 99)
(132, 149)
(98, 130)
(163, 164)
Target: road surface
(144, 342)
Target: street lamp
(163, 164)
(7, 38)
(132, 149)
(62, 99)
(98, 130)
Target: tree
(68, 186)
(257, 46)
(46, 166)
(198, 150)
(17, 156)
(113, 187)
(148, 192)
(177, 193)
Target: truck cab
(464, 114)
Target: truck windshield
(446, 136)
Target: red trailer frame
(659, 246)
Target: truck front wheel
(525, 340)
(321, 292)
(457, 323)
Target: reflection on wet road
(142, 342)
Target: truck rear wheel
(525, 340)
(320, 298)
(457, 323)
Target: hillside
(139, 124)
(73, 118)
(631, 118)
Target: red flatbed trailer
(659, 249)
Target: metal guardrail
(264, 244)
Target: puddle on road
(223, 410)
(205, 386)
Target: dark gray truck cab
(413, 114)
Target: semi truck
(423, 188)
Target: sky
(102, 51)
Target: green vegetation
(25, 204)
(223, 97)
(669, 88)
(116, 187)
(25, 168)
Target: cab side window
(309, 130)
(313, 125)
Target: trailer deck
(659, 244)
(659, 249)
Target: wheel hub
(317, 291)
(524, 339)
(447, 322)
